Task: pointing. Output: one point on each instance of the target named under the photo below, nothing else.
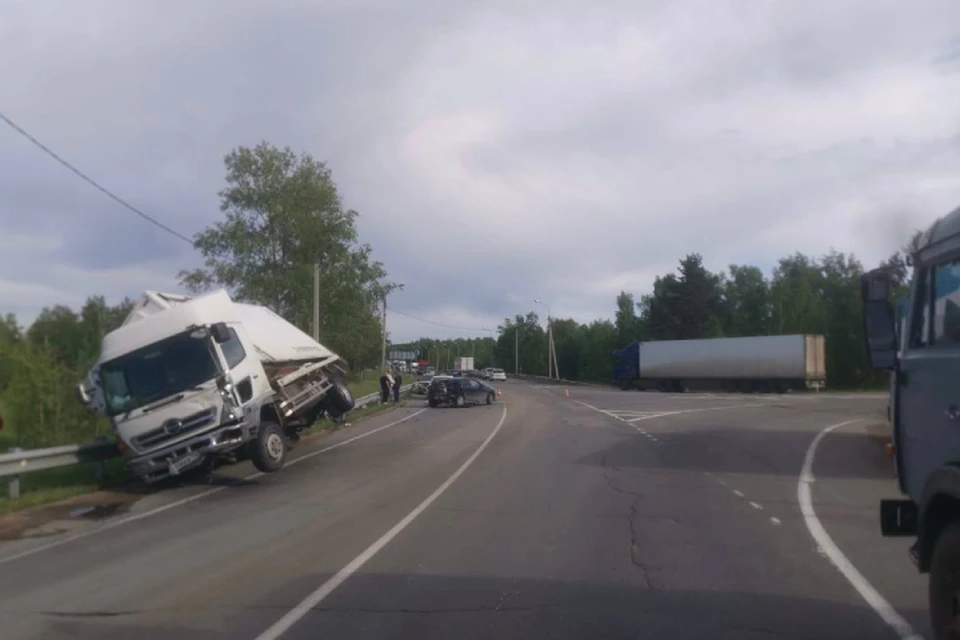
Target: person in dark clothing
(384, 387)
(397, 383)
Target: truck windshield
(155, 372)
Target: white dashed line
(739, 494)
(775, 521)
(755, 505)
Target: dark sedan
(459, 392)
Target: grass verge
(53, 485)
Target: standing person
(384, 387)
(397, 383)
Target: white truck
(463, 363)
(187, 381)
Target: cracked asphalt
(607, 514)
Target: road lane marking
(775, 521)
(194, 498)
(737, 493)
(832, 552)
(279, 627)
(755, 505)
(613, 414)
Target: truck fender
(939, 505)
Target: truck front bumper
(190, 453)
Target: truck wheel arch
(268, 413)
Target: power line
(91, 181)
(439, 324)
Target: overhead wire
(23, 132)
(50, 152)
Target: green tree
(628, 323)
(686, 305)
(747, 302)
(283, 214)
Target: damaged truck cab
(186, 381)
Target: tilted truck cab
(186, 381)
(924, 361)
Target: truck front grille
(167, 432)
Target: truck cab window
(233, 350)
(920, 324)
(946, 303)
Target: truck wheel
(339, 400)
(489, 398)
(944, 584)
(269, 451)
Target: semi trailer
(759, 363)
(187, 381)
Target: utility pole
(516, 350)
(383, 347)
(553, 351)
(316, 301)
(549, 348)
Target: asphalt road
(607, 514)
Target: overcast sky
(549, 149)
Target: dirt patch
(65, 515)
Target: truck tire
(269, 451)
(339, 400)
(944, 584)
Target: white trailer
(463, 363)
(759, 363)
(186, 381)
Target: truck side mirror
(879, 325)
(220, 332)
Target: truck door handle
(953, 412)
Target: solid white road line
(279, 627)
(613, 414)
(804, 496)
(194, 498)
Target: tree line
(281, 214)
(803, 294)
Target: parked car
(497, 374)
(459, 392)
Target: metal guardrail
(17, 461)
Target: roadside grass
(53, 485)
(365, 386)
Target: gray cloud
(496, 152)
